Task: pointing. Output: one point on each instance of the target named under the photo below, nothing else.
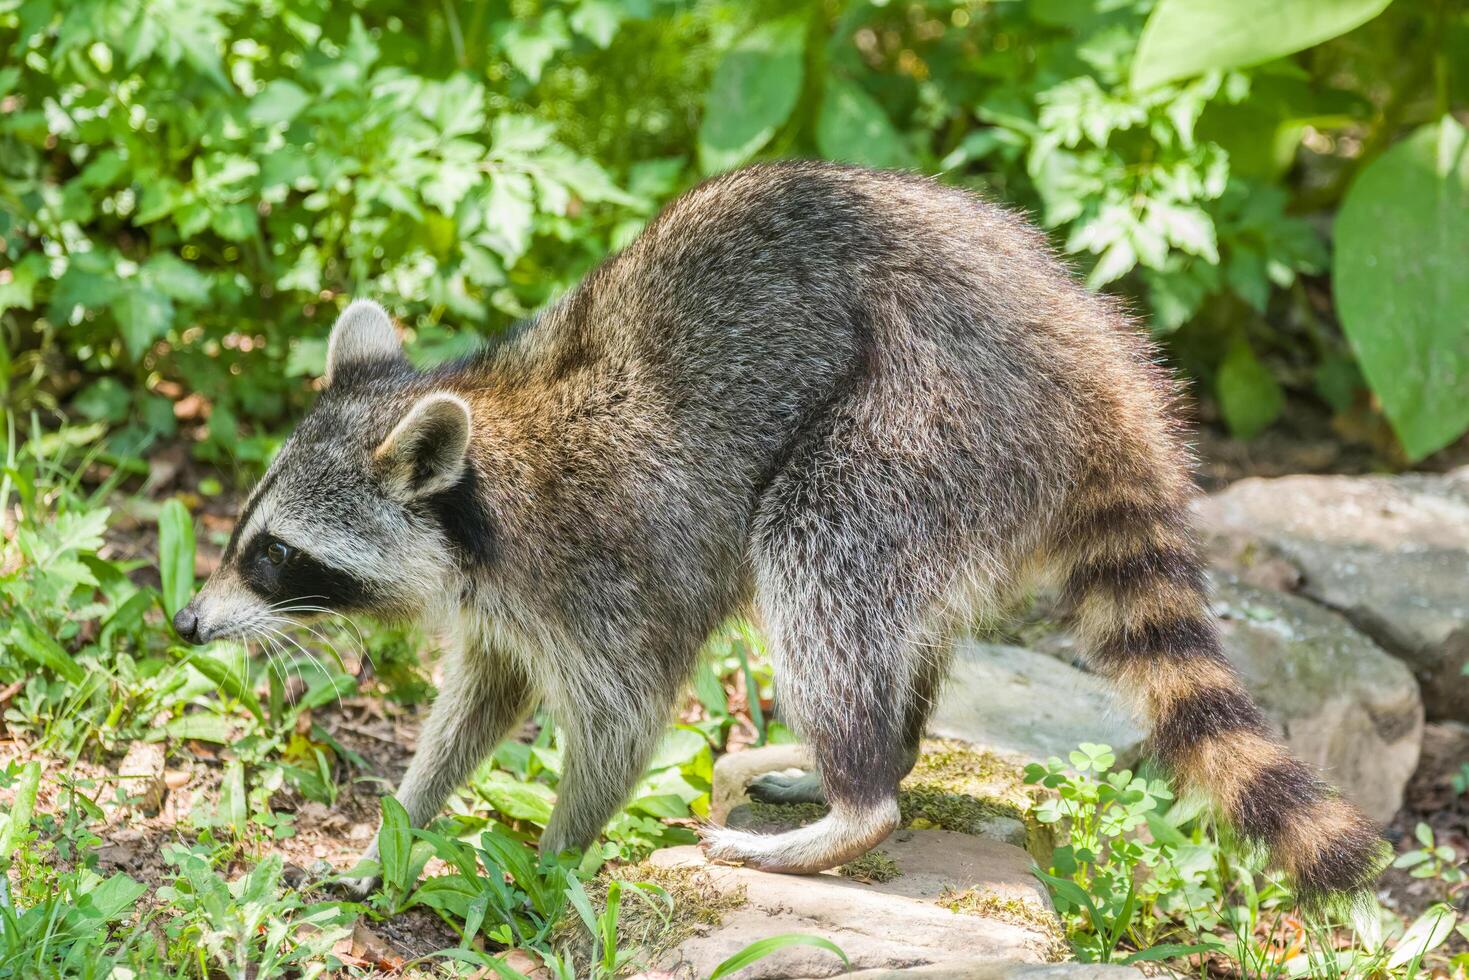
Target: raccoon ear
(425, 451)
(362, 333)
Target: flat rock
(1002, 970)
(897, 924)
(1340, 701)
(1389, 553)
(1030, 706)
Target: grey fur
(859, 403)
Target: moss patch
(1016, 911)
(761, 815)
(958, 787)
(952, 766)
(872, 868)
(697, 905)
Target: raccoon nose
(186, 623)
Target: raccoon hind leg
(797, 786)
(850, 561)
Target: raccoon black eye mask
(279, 573)
(861, 406)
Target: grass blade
(762, 948)
(176, 555)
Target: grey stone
(1030, 706)
(1389, 553)
(1340, 701)
(1002, 970)
(897, 924)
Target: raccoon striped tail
(1136, 591)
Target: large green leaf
(1402, 248)
(853, 128)
(753, 92)
(1189, 37)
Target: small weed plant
(1138, 876)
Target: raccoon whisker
(281, 663)
(319, 609)
(272, 661)
(341, 663)
(310, 658)
(289, 660)
(267, 646)
(361, 643)
(277, 606)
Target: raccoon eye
(277, 552)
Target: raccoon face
(344, 520)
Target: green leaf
(394, 844)
(597, 20)
(110, 899)
(1249, 396)
(279, 102)
(1189, 37)
(176, 555)
(172, 276)
(762, 948)
(18, 820)
(662, 805)
(201, 726)
(517, 800)
(530, 43)
(1168, 951)
(233, 802)
(754, 89)
(41, 649)
(678, 746)
(232, 677)
(509, 215)
(1402, 247)
(853, 128)
(18, 283)
(1426, 934)
(143, 315)
(235, 222)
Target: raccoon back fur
(863, 405)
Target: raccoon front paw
(792, 786)
(357, 889)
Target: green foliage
(176, 555)
(753, 92)
(99, 671)
(251, 926)
(188, 192)
(1135, 879)
(1402, 247)
(764, 947)
(1190, 37)
(1431, 859)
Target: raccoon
(864, 406)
